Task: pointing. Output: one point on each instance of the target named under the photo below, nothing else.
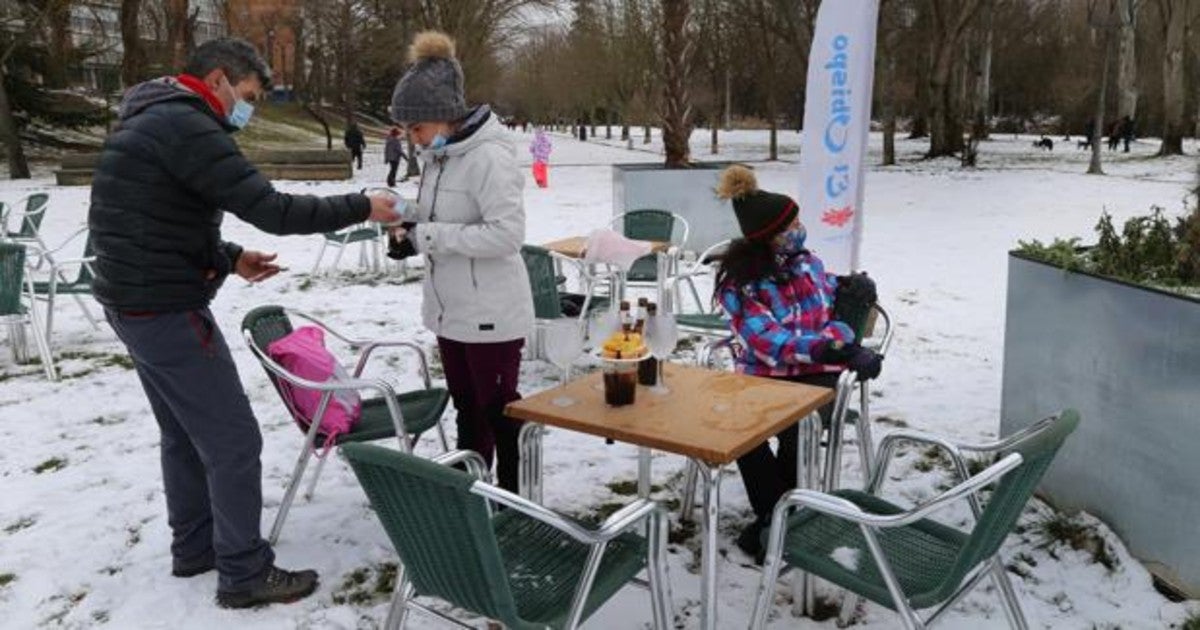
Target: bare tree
(1104, 17)
(18, 25)
(676, 106)
(133, 63)
(1175, 17)
(177, 32)
(950, 22)
(1127, 67)
(982, 72)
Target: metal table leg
(643, 472)
(711, 475)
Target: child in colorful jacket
(779, 299)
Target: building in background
(96, 27)
(271, 26)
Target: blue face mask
(792, 241)
(438, 142)
(240, 116)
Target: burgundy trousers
(482, 379)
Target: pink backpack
(302, 352)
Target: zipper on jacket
(441, 162)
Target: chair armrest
(370, 346)
(887, 450)
(612, 527)
(473, 461)
(367, 346)
(843, 509)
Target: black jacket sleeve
(207, 161)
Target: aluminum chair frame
(341, 240)
(641, 513)
(355, 383)
(58, 277)
(29, 232)
(862, 424)
(967, 488)
(673, 253)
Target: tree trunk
(1095, 167)
(1127, 92)
(18, 167)
(646, 134)
(983, 73)
(945, 134)
(773, 116)
(58, 19)
(324, 124)
(888, 94)
(715, 142)
(676, 105)
(177, 25)
(133, 63)
(728, 100)
(625, 132)
(1175, 16)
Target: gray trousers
(210, 440)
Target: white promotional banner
(837, 117)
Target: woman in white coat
(470, 224)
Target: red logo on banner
(838, 217)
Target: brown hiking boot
(277, 587)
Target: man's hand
(256, 266)
(383, 209)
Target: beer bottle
(625, 319)
(642, 308)
(648, 368)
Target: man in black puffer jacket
(165, 178)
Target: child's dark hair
(746, 261)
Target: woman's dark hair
(746, 261)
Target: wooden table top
(712, 416)
(576, 246)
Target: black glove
(866, 363)
(399, 249)
(852, 300)
(831, 352)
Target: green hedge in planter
(1148, 250)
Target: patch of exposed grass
(629, 487)
(54, 464)
(367, 585)
(7, 578)
(24, 522)
(1192, 622)
(100, 359)
(1061, 529)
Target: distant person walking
(1128, 131)
(355, 141)
(393, 153)
(540, 149)
(166, 177)
(1115, 132)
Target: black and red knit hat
(760, 214)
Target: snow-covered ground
(83, 533)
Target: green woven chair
(652, 225)
(369, 237)
(401, 415)
(906, 561)
(526, 566)
(60, 284)
(544, 280)
(14, 314)
(28, 231)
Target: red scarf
(200, 87)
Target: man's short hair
(237, 57)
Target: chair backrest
(648, 225)
(441, 530)
(85, 270)
(12, 274)
(543, 281)
(265, 324)
(1007, 502)
(31, 220)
